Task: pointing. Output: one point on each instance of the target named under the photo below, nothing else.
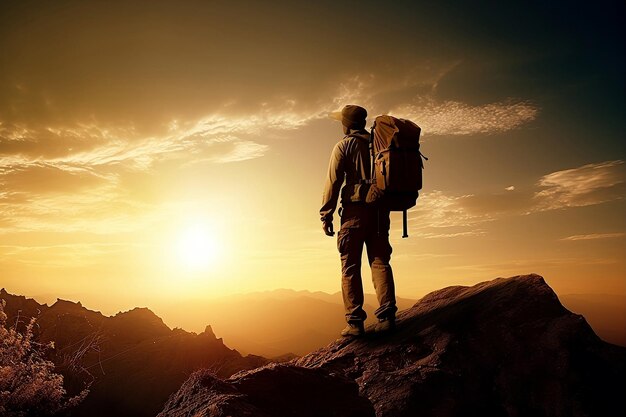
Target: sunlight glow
(197, 248)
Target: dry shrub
(28, 384)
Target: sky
(161, 150)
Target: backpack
(396, 165)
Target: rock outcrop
(270, 391)
(506, 347)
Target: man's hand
(328, 228)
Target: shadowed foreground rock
(506, 347)
(270, 391)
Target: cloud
(415, 99)
(243, 151)
(586, 185)
(90, 177)
(514, 266)
(95, 189)
(46, 178)
(100, 209)
(455, 118)
(437, 209)
(62, 255)
(440, 215)
(595, 236)
(583, 186)
(499, 203)
(56, 141)
(90, 145)
(469, 233)
(47, 165)
(358, 89)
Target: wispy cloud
(61, 255)
(583, 186)
(470, 233)
(436, 117)
(437, 209)
(358, 89)
(241, 151)
(85, 177)
(441, 216)
(92, 144)
(515, 266)
(99, 209)
(456, 118)
(594, 236)
(423, 256)
(115, 147)
(437, 212)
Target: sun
(197, 248)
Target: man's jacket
(350, 160)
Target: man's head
(353, 116)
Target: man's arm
(334, 180)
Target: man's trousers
(365, 225)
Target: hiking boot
(354, 330)
(385, 325)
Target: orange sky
(132, 134)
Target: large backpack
(396, 165)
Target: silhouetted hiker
(361, 223)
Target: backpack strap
(372, 151)
(373, 174)
(404, 225)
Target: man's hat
(351, 115)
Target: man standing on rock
(361, 223)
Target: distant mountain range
(274, 323)
(285, 322)
(134, 360)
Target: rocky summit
(505, 347)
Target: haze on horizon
(135, 134)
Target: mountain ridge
(500, 348)
(132, 359)
(323, 319)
